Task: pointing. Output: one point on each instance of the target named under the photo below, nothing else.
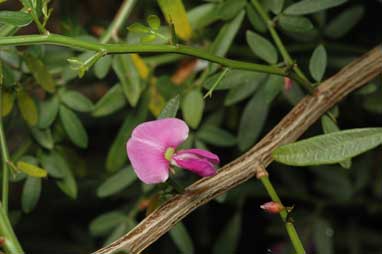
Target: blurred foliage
(75, 129)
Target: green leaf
(43, 137)
(295, 24)
(40, 72)
(116, 156)
(31, 194)
(344, 22)
(317, 63)
(67, 183)
(226, 36)
(228, 239)
(27, 108)
(275, 5)
(175, 13)
(15, 18)
(102, 66)
(273, 86)
(193, 107)
(73, 127)
(202, 15)
(233, 79)
(111, 102)
(261, 47)
(148, 38)
(182, 239)
(312, 6)
(171, 108)
(119, 181)
(253, 120)
(229, 9)
(329, 148)
(76, 101)
(52, 162)
(31, 169)
(323, 236)
(255, 19)
(7, 102)
(215, 136)
(48, 111)
(153, 21)
(138, 28)
(120, 230)
(106, 222)
(329, 126)
(245, 89)
(128, 76)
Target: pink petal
(202, 153)
(197, 161)
(148, 160)
(168, 132)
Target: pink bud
(272, 207)
(287, 84)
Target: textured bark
(292, 126)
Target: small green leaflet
(111, 102)
(295, 24)
(329, 148)
(73, 127)
(193, 107)
(117, 182)
(106, 222)
(317, 63)
(311, 6)
(15, 18)
(31, 194)
(261, 47)
(171, 108)
(344, 22)
(182, 239)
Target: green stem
(5, 159)
(297, 244)
(120, 48)
(119, 20)
(279, 44)
(11, 244)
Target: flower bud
(272, 207)
(287, 84)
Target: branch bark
(292, 126)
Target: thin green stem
(280, 46)
(120, 48)
(5, 159)
(295, 239)
(119, 20)
(11, 244)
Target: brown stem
(292, 126)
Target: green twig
(120, 48)
(119, 20)
(279, 44)
(5, 159)
(297, 244)
(11, 244)
(217, 82)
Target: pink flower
(152, 149)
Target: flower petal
(197, 161)
(202, 153)
(167, 132)
(148, 161)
